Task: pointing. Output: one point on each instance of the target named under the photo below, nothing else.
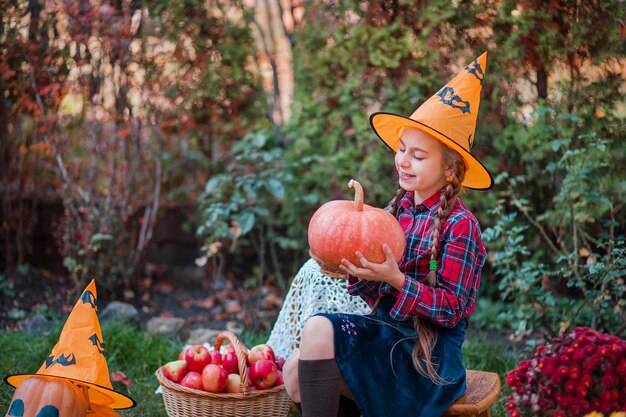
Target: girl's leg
(292, 385)
(290, 368)
(290, 376)
(318, 373)
(318, 339)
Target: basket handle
(241, 359)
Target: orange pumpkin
(43, 397)
(53, 397)
(341, 227)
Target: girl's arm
(367, 290)
(458, 278)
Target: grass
(128, 350)
(138, 355)
(482, 353)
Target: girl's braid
(447, 200)
(426, 331)
(395, 201)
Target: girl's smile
(420, 164)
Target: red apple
(231, 348)
(263, 373)
(279, 379)
(192, 380)
(214, 378)
(259, 352)
(279, 361)
(234, 384)
(216, 357)
(197, 357)
(175, 371)
(181, 355)
(229, 361)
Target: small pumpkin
(340, 227)
(44, 397)
(53, 397)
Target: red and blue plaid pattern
(462, 255)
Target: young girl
(405, 358)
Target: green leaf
(212, 185)
(246, 221)
(276, 188)
(98, 237)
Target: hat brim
(388, 127)
(98, 394)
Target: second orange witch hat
(79, 357)
(450, 116)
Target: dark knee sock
(319, 387)
(348, 408)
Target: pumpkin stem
(86, 394)
(358, 194)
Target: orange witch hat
(79, 356)
(450, 116)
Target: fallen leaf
(271, 300)
(120, 377)
(207, 303)
(227, 294)
(201, 261)
(233, 306)
(122, 133)
(196, 318)
(164, 287)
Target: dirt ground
(172, 292)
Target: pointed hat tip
(483, 59)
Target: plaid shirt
(461, 258)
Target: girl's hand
(387, 271)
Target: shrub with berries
(581, 372)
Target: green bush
(558, 233)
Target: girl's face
(421, 165)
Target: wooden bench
(483, 389)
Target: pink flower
(564, 401)
(570, 387)
(575, 374)
(609, 380)
(510, 405)
(579, 355)
(511, 378)
(621, 368)
(586, 381)
(596, 403)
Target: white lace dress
(311, 292)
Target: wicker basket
(186, 402)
